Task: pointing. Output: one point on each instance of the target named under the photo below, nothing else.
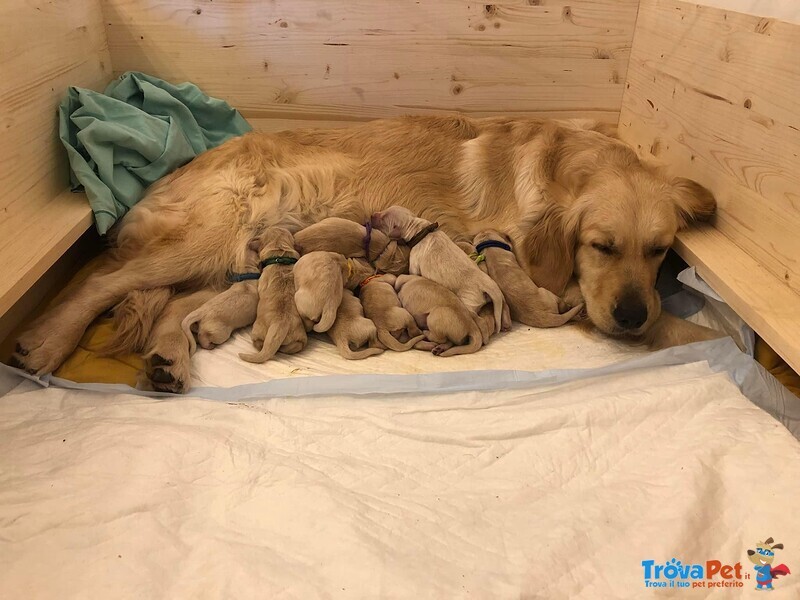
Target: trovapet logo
(677, 574)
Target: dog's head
(764, 553)
(398, 223)
(613, 239)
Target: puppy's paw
(168, 374)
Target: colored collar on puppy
(478, 258)
(422, 234)
(365, 282)
(492, 244)
(368, 240)
(237, 277)
(277, 260)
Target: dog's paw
(168, 374)
(439, 348)
(38, 355)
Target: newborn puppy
(352, 240)
(436, 257)
(278, 325)
(235, 307)
(449, 327)
(397, 329)
(529, 303)
(320, 278)
(352, 331)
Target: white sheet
(547, 492)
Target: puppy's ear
(693, 201)
(254, 245)
(777, 546)
(549, 249)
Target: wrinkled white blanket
(545, 492)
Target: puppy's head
(274, 241)
(613, 238)
(398, 222)
(394, 259)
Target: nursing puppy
(320, 278)
(278, 326)
(397, 329)
(352, 240)
(470, 251)
(234, 308)
(529, 304)
(449, 327)
(436, 257)
(355, 336)
(486, 314)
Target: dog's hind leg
(50, 339)
(134, 318)
(167, 361)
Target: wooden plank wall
(715, 95)
(336, 62)
(45, 46)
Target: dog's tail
(392, 343)
(474, 341)
(346, 352)
(134, 317)
(546, 319)
(327, 318)
(186, 325)
(276, 333)
(498, 301)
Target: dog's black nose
(630, 312)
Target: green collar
(277, 260)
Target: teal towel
(139, 130)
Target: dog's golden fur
(555, 188)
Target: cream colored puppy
(352, 240)
(320, 278)
(528, 303)
(397, 329)
(278, 326)
(449, 327)
(355, 336)
(234, 308)
(435, 256)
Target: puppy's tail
(474, 341)
(186, 325)
(276, 333)
(134, 317)
(392, 343)
(327, 318)
(540, 319)
(498, 301)
(345, 351)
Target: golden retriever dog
(437, 257)
(397, 329)
(278, 325)
(577, 204)
(450, 328)
(355, 336)
(353, 240)
(529, 304)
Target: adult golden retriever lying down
(577, 203)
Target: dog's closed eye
(606, 249)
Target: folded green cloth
(139, 130)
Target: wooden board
(714, 94)
(45, 46)
(365, 58)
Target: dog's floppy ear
(778, 546)
(549, 247)
(693, 201)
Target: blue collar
(492, 244)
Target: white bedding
(543, 491)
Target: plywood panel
(394, 57)
(714, 94)
(45, 46)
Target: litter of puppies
(396, 282)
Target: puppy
(320, 278)
(436, 257)
(278, 326)
(449, 327)
(397, 329)
(352, 240)
(352, 331)
(470, 251)
(232, 309)
(486, 314)
(528, 303)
